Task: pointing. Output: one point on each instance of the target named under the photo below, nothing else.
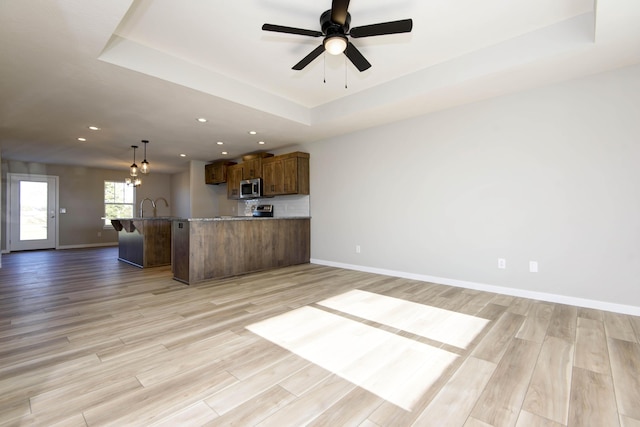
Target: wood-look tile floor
(86, 340)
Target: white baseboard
(88, 245)
(523, 293)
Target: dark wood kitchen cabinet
(252, 165)
(144, 242)
(234, 176)
(206, 249)
(286, 174)
(216, 172)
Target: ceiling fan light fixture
(336, 26)
(336, 44)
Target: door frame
(10, 222)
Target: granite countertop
(215, 218)
(241, 218)
(146, 218)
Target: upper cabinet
(252, 165)
(281, 175)
(286, 174)
(234, 176)
(216, 173)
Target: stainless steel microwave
(251, 188)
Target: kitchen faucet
(155, 204)
(142, 205)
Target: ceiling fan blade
(393, 27)
(291, 30)
(339, 11)
(356, 57)
(307, 59)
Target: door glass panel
(33, 210)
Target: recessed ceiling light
(201, 120)
(82, 139)
(252, 132)
(261, 142)
(183, 155)
(224, 152)
(94, 128)
(219, 142)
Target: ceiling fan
(335, 29)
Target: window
(118, 201)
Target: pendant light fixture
(136, 182)
(144, 166)
(133, 171)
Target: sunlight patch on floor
(434, 323)
(396, 368)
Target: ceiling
(146, 69)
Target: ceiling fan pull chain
(345, 72)
(324, 68)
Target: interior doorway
(33, 219)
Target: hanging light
(133, 170)
(136, 182)
(144, 166)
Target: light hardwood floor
(88, 340)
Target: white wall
(195, 199)
(81, 194)
(550, 175)
(154, 186)
(1, 203)
(207, 200)
(180, 194)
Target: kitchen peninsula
(144, 242)
(213, 248)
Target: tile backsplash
(283, 206)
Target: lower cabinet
(213, 249)
(144, 242)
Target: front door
(33, 211)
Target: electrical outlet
(357, 249)
(502, 263)
(533, 266)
